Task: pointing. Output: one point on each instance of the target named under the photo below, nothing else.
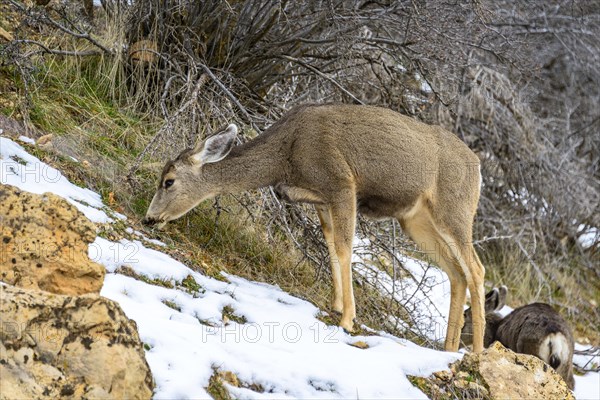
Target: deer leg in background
(475, 283)
(458, 294)
(465, 261)
(336, 274)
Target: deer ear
(502, 292)
(492, 299)
(216, 147)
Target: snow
(153, 264)
(588, 385)
(589, 236)
(143, 237)
(583, 360)
(282, 347)
(425, 88)
(425, 293)
(19, 168)
(26, 139)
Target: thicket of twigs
(519, 82)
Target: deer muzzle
(153, 222)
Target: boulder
(44, 244)
(57, 346)
(496, 373)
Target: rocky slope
(69, 346)
(58, 337)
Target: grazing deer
(535, 329)
(344, 159)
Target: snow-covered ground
(588, 237)
(21, 169)
(425, 293)
(281, 347)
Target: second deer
(535, 329)
(344, 159)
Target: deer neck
(250, 166)
(492, 323)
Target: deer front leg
(336, 274)
(343, 218)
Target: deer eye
(169, 183)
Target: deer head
(495, 299)
(184, 184)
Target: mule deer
(535, 329)
(344, 159)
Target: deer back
(535, 329)
(526, 327)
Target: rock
(360, 344)
(444, 376)
(46, 143)
(511, 375)
(44, 244)
(10, 127)
(56, 346)
(497, 373)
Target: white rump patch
(560, 347)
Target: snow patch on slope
(424, 293)
(282, 346)
(21, 169)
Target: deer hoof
(348, 326)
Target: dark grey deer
(535, 329)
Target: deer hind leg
(466, 259)
(458, 293)
(343, 218)
(475, 279)
(424, 232)
(336, 274)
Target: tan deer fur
(344, 159)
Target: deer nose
(149, 221)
